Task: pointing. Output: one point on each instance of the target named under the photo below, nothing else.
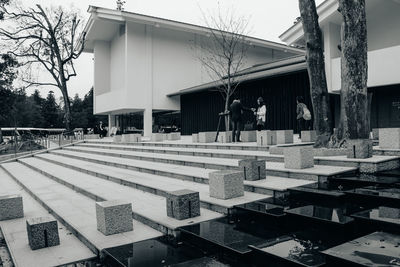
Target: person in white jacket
(260, 114)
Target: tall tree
(354, 69)
(49, 39)
(223, 51)
(50, 111)
(316, 72)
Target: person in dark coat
(236, 110)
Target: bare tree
(47, 39)
(223, 51)
(316, 72)
(354, 70)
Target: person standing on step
(236, 111)
(261, 114)
(303, 115)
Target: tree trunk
(226, 118)
(1, 136)
(316, 72)
(354, 68)
(67, 107)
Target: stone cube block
(226, 184)
(157, 137)
(298, 157)
(284, 136)
(388, 212)
(375, 133)
(359, 148)
(131, 138)
(11, 207)
(114, 217)
(308, 136)
(389, 138)
(266, 138)
(195, 138)
(117, 138)
(253, 169)
(42, 232)
(183, 204)
(174, 136)
(225, 137)
(207, 137)
(248, 136)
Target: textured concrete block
(42, 232)
(308, 136)
(284, 136)
(117, 138)
(11, 207)
(298, 157)
(248, 136)
(253, 169)
(207, 137)
(375, 133)
(156, 137)
(114, 217)
(174, 136)
(131, 138)
(388, 212)
(359, 148)
(183, 204)
(266, 138)
(389, 138)
(226, 184)
(225, 137)
(195, 138)
(276, 150)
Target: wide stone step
(73, 209)
(69, 251)
(237, 146)
(198, 152)
(151, 183)
(147, 208)
(202, 162)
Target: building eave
(269, 70)
(295, 32)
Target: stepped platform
(316, 173)
(370, 165)
(147, 208)
(200, 175)
(155, 184)
(70, 250)
(376, 249)
(386, 151)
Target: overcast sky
(268, 19)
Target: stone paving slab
(69, 251)
(146, 205)
(156, 182)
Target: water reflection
(336, 214)
(381, 213)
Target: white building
(383, 31)
(139, 60)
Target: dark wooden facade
(199, 111)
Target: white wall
(383, 68)
(117, 62)
(101, 67)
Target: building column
(147, 122)
(111, 123)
